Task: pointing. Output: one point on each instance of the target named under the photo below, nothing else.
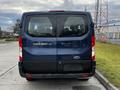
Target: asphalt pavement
(11, 80)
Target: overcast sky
(10, 10)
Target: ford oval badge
(76, 57)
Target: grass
(108, 61)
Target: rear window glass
(61, 26)
(40, 27)
(73, 26)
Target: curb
(104, 81)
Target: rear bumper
(80, 75)
(58, 76)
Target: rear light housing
(29, 76)
(85, 75)
(93, 47)
(20, 49)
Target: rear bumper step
(60, 76)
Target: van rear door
(73, 43)
(39, 44)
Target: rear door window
(40, 27)
(67, 26)
(73, 26)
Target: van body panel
(40, 54)
(61, 49)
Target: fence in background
(109, 34)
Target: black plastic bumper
(81, 75)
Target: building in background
(109, 33)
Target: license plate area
(72, 67)
(79, 66)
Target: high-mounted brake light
(93, 47)
(20, 49)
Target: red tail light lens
(93, 40)
(93, 48)
(20, 41)
(20, 49)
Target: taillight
(20, 49)
(93, 48)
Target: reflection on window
(74, 26)
(40, 27)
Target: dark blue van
(57, 44)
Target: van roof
(56, 12)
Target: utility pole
(101, 13)
(96, 13)
(85, 8)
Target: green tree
(16, 27)
(0, 32)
